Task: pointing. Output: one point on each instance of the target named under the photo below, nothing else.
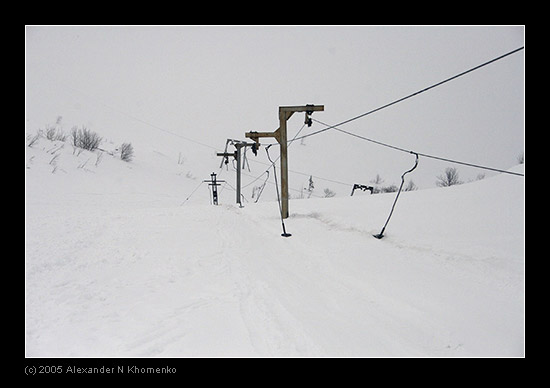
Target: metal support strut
(237, 155)
(381, 234)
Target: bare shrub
(33, 139)
(98, 158)
(449, 178)
(54, 134)
(389, 189)
(126, 152)
(84, 138)
(328, 193)
(410, 186)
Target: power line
(470, 164)
(335, 126)
(123, 113)
(411, 95)
(193, 192)
(298, 173)
(419, 153)
(290, 188)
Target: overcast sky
(210, 83)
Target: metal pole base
(381, 234)
(284, 234)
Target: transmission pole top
(302, 108)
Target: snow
(118, 265)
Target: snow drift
(116, 267)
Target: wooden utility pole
(285, 112)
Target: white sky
(210, 83)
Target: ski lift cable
(421, 153)
(335, 126)
(193, 192)
(262, 187)
(412, 94)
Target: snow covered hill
(116, 266)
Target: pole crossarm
(256, 135)
(227, 154)
(302, 108)
(285, 112)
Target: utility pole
(237, 155)
(285, 112)
(226, 156)
(214, 185)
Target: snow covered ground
(116, 266)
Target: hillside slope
(115, 267)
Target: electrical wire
(124, 113)
(335, 126)
(193, 192)
(412, 94)
(293, 171)
(420, 153)
(262, 187)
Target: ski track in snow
(133, 277)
